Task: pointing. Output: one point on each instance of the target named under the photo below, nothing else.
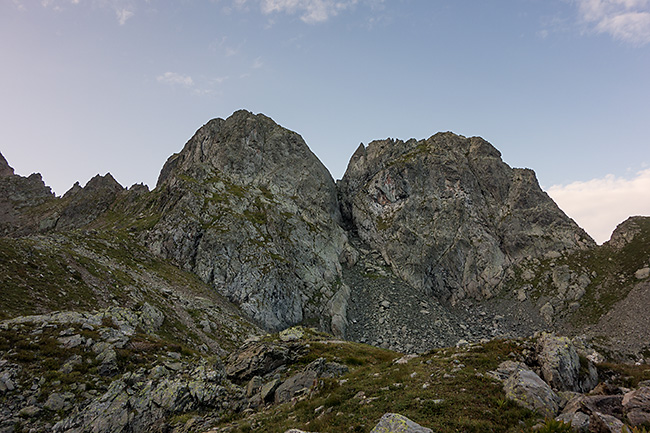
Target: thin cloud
(123, 9)
(174, 78)
(123, 15)
(599, 205)
(310, 11)
(624, 20)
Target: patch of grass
(626, 375)
(431, 390)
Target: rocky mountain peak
(251, 149)
(628, 230)
(449, 215)
(5, 169)
(252, 211)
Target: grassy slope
(446, 390)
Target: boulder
(322, 368)
(604, 404)
(636, 405)
(396, 423)
(507, 369)
(296, 385)
(579, 421)
(601, 423)
(292, 334)
(258, 358)
(559, 362)
(267, 392)
(254, 386)
(529, 390)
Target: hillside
(423, 244)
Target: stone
(267, 392)
(642, 273)
(296, 385)
(55, 402)
(71, 341)
(636, 405)
(258, 358)
(579, 421)
(507, 369)
(322, 368)
(528, 389)
(29, 411)
(601, 423)
(254, 386)
(560, 363)
(292, 334)
(396, 423)
(547, 312)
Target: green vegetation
(445, 390)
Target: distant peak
(5, 168)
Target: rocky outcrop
(561, 365)
(84, 205)
(5, 169)
(636, 405)
(19, 197)
(250, 209)
(449, 215)
(561, 374)
(139, 401)
(529, 390)
(627, 231)
(258, 358)
(396, 423)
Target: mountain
(421, 244)
(448, 215)
(125, 308)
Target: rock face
(528, 389)
(5, 169)
(84, 205)
(449, 215)
(407, 252)
(250, 209)
(17, 196)
(560, 365)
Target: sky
(560, 86)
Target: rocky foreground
(108, 372)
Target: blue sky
(559, 86)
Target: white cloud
(124, 9)
(624, 20)
(599, 205)
(123, 15)
(175, 79)
(311, 11)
